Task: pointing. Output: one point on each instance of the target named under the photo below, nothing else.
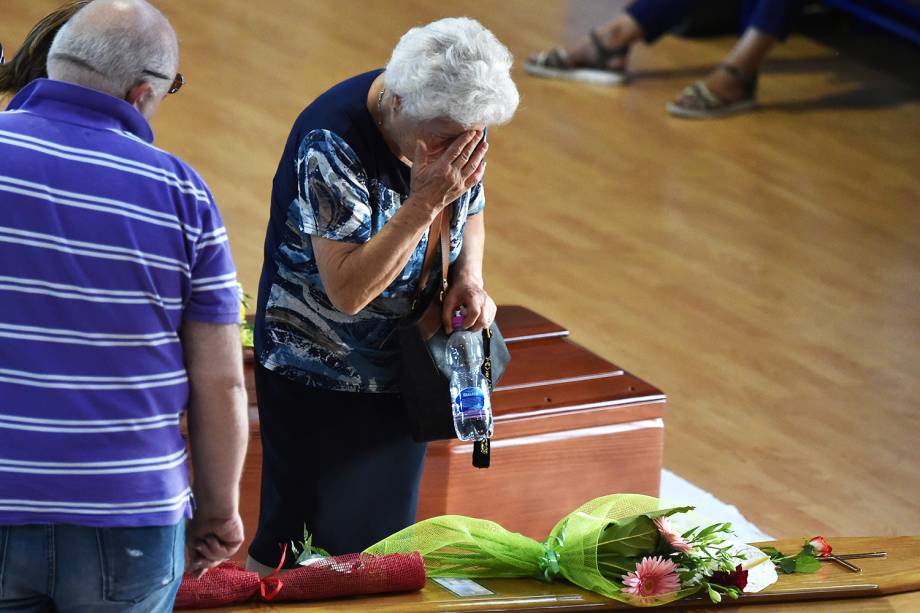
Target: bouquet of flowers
(622, 546)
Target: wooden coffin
(569, 426)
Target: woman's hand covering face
(439, 178)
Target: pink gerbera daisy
(652, 577)
(667, 532)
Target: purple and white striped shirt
(106, 245)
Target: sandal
(555, 64)
(703, 103)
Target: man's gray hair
(112, 45)
(453, 68)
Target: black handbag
(425, 376)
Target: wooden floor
(764, 270)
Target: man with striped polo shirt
(118, 310)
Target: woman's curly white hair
(453, 68)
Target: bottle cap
(457, 321)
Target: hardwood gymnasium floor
(763, 270)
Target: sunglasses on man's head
(177, 83)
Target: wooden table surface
(888, 584)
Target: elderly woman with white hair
(367, 169)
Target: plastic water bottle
(469, 390)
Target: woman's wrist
(465, 276)
(421, 211)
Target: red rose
(821, 547)
(737, 578)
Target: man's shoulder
(16, 120)
(169, 166)
(112, 147)
(185, 169)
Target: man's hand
(218, 429)
(211, 540)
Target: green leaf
(787, 565)
(307, 551)
(807, 564)
(707, 531)
(616, 566)
(773, 552)
(668, 512)
(631, 537)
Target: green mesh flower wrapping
(593, 546)
(458, 546)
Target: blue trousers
(76, 569)
(657, 17)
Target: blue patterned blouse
(338, 180)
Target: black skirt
(342, 464)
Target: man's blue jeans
(76, 569)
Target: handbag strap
(487, 354)
(436, 236)
(482, 449)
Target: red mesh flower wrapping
(346, 576)
(223, 585)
